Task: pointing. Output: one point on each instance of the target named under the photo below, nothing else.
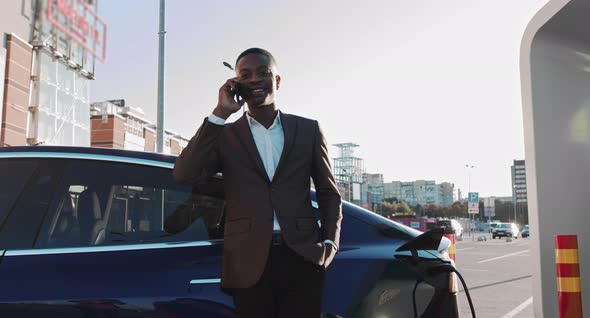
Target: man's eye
(265, 73)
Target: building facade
(372, 191)
(421, 192)
(47, 61)
(519, 189)
(115, 125)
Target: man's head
(257, 73)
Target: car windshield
(504, 226)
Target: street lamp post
(469, 167)
(161, 49)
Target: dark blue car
(89, 232)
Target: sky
(424, 87)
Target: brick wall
(150, 140)
(174, 147)
(107, 135)
(13, 128)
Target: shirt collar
(276, 122)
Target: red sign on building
(77, 20)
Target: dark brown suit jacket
(251, 197)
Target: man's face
(258, 80)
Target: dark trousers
(289, 287)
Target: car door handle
(204, 281)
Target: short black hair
(256, 50)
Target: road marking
(504, 256)
(463, 249)
(475, 270)
(498, 283)
(519, 308)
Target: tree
(403, 207)
(388, 208)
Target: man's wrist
(221, 113)
(216, 120)
(331, 243)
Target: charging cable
(448, 268)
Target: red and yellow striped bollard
(452, 248)
(568, 276)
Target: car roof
(83, 152)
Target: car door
(15, 175)
(92, 238)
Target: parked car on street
(452, 224)
(525, 231)
(91, 232)
(505, 230)
(493, 225)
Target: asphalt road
(498, 275)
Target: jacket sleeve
(201, 158)
(329, 201)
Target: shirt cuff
(216, 120)
(331, 243)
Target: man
(275, 253)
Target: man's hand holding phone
(229, 100)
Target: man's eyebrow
(261, 67)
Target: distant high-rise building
(519, 189)
(445, 193)
(421, 192)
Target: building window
(134, 127)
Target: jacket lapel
(247, 140)
(289, 124)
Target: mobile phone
(237, 96)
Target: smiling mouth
(258, 92)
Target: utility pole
(470, 216)
(161, 35)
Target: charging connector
(448, 268)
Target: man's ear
(278, 78)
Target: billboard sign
(489, 206)
(489, 202)
(489, 211)
(77, 21)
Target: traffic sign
(473, 197)
(473, 208)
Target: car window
(15, 174)
(104, 203)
